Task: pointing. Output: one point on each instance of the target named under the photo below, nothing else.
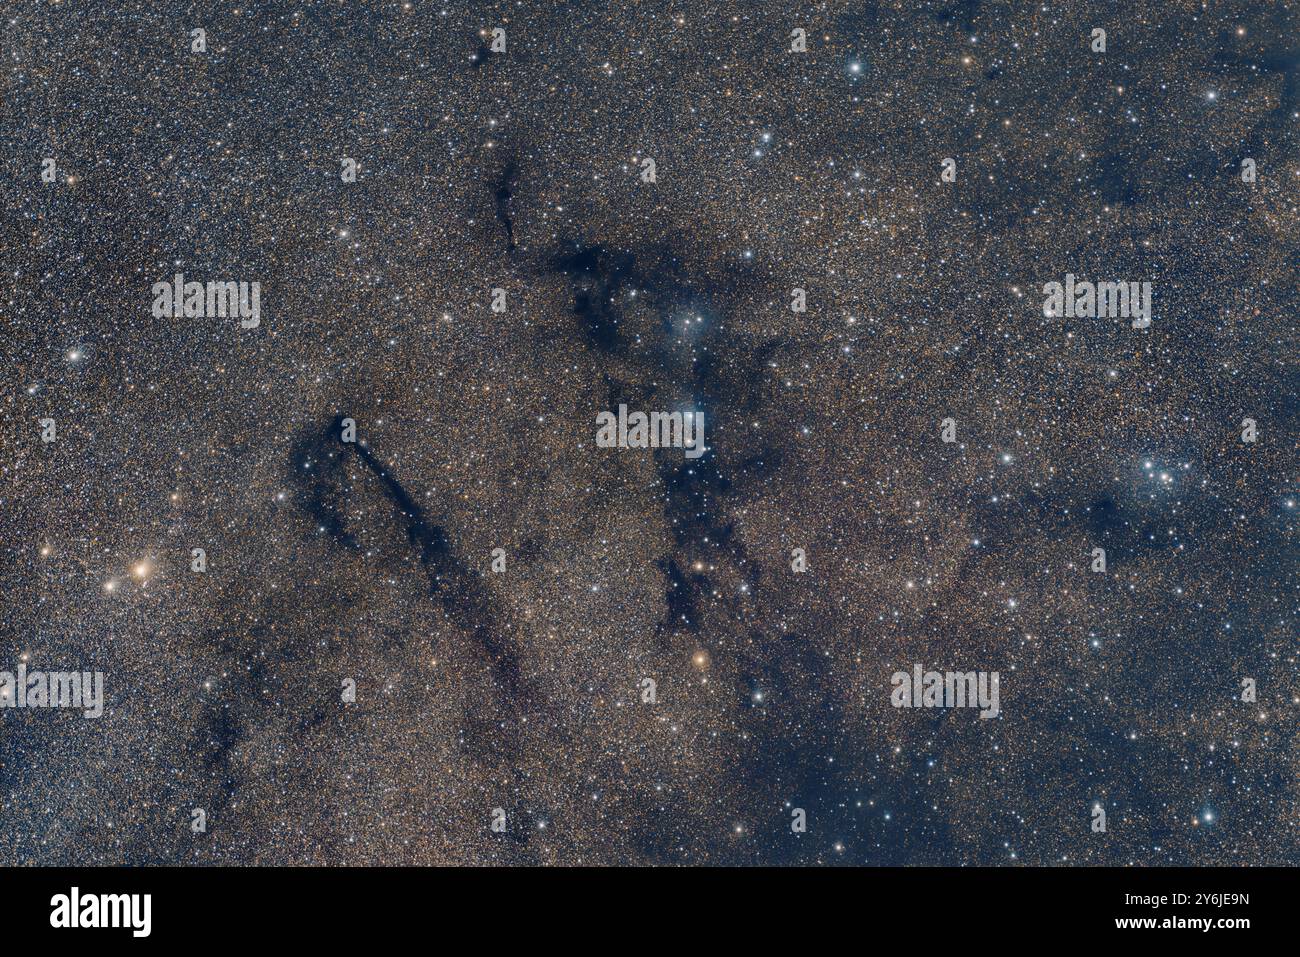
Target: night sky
(331, 562)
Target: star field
(521, 690)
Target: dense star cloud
(358, 675)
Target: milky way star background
(521, 690)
